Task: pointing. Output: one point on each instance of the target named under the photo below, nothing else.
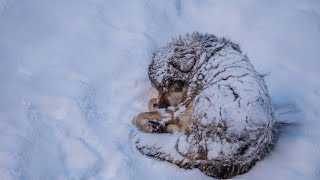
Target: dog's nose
(164, 105)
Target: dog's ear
(184, 64)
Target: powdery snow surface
(74, 74)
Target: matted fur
(232, 123)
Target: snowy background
(73, 74)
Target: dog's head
(174, 65)
(172, 68)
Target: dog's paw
(156, 126)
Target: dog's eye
(177, 89)
(177, 86)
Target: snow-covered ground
(73, 74)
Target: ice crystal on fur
(231, 125)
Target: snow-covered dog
(213, 105)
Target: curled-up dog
(213, 111)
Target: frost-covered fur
(232, 122)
